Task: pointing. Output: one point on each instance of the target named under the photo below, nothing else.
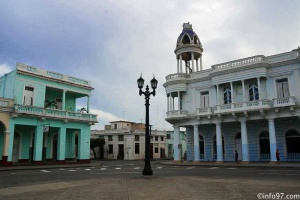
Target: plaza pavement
(150, 187)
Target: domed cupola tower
(188, 49)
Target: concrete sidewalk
(233, 164)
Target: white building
(250, 105)
(126, 140)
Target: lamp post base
(147, 172)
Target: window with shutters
(204, 99)
(28, 96)
(282, 88)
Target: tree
(97, 142)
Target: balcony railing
(177, 76)
(240, 62)
(293, 156)
(281, 102)
(177, 113)
(5, 102)
(60, 114)
(264, 156)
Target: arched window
(196, 40)
(253, 91)
(201, 145)
(292, 138)
(185, 39)
(264, 145)
(227, 95)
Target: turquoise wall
(7, 85)
(83, 140)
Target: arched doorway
(215, 147)
(16, 147)
(292, 138)
(201, 146)
(238, 146)
(54, 148)
(264, 145)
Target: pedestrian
(236, 156)
(277, 157)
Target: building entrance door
(121, 152)
(16, 146)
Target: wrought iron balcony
(54, 113)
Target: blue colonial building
(249, 105)
(40, 121)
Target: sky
(110, 43)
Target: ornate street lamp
(147, 168)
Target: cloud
(4, 68)
(103, 118)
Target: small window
(28, 88)
(137, 148)
(121, 137)
(227, 95)
(168, 136)
(204, 99)
(156, 138)
(136, 138)
(115, 126)
(156, 150)
(161, 138)
(110, 149)
(110, 138)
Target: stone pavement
(139, 187)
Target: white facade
(249, 105)
(126, 141)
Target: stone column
(179, 101)
(243, 87)
(197, 67)
(258, 85)
(5, 148)
(193, 66)
(38, 145)
(176, 142)
(171, 107)
(61, 151)
(219, 142)
(245, 149)
(231, 91)
(272, 139)
(178, 65)
(218, 99)
(168, 106)
(180, 57)
(173, 103)
(88, 104)
(64, 100)
(201, 63)
(196, 144)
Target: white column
(258, 85)
(173, 103)
(218, 99)
(244, 141)
(219, 142)
(171, 107)
(64, 100)
(232, 94)
(178, 65)
(243, 87)
(193, 66)
(196, 144)
(201, 63)
(197, 67)
(88, 104)
(176, 142)
(272, 138)
(168, 105)
(180, 57)
(179, 101)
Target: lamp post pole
(147, 168)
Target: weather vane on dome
(187, 26)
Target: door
(16, 146)
(28, 96)
(54, 148)
(121, 152)
(238, 147)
